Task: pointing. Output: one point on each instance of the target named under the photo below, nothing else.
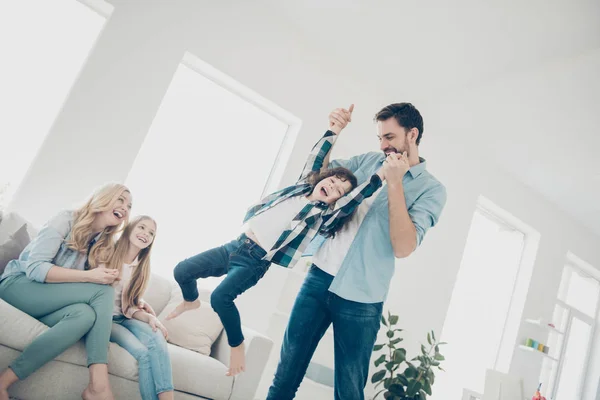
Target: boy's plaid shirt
(314, 217)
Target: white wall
(122, 84)
(112, 105)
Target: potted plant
(403, 379)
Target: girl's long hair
(343, 174)
(102, 200)
(141, 274)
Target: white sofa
(194, 375)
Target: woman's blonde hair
(141, 274)
(102, 200)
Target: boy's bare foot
(183, 307)
(237, 360)
(4, 394)
(91, 394)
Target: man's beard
(390, 149)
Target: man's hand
(381, 174)
(395, 167)
(339, 118)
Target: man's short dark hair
(405, 114)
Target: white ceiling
(534, 66)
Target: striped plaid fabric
(315, 216)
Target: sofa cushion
(194, 330)
(192, 372)
(23, 328)
(158, 293)
(12, 248)
(199, 374)
(18, 328)
(11, 222)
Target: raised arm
(347, 204)
(338, 120)
(318, 154)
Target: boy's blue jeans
(241, 260)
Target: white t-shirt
(119, 285)
(269, 225)
(330, 256)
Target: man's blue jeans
(355, 327)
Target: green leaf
(378, 347)
(377, 376)
(396, 389)
(413, 388)
(383, 321)
(423, 350)
(441, 369)
(433, 335)
(431, 376)
(439, 357)
(380, 360)
(442, 343)
(393, 319)
(390, 366)
(390, 334)
(402, 379)
(411, 372)
(437, 348)
(387, 382)
(428, 338)
(427, 388)
(399, 356)
(396, 341)
(435, 363)
(421, 396)
(398, 330)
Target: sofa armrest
(258, 348)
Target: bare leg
(7, 378)
(237, 360)
(99, 387)
(183, 307)
(166, 395)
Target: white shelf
(539, 324)
(532, 350)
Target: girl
(279, 229)
(133, 328)
(66, 251)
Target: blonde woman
(137, 331)
(58, 280)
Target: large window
(575, 318)
(213, 148)
(487, 302)
(44, 46)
